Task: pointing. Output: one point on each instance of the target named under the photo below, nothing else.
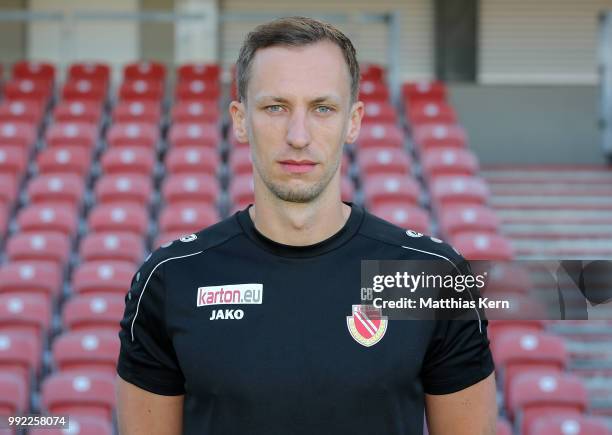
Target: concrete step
(552, 202)
(555, 230)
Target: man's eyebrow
(276, 99)
(272, 98)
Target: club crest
(367, 325)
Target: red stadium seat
(192, 160)
(86, 393)
(347, 190)
(26, 69)
(372, 72)
(30, 276)
(483, 246)
(146, 70)
(198, 90)
(86, 351)
(373, 91)
(13, 395)
(119, 217)
(164, 238)
(569, 425)
(453, 189)
(8, 189)
(128, 160)
(187, 218)
(38, 91)
(192, 134)
(428, 90)
(439, 135)
(457, 218)
(112, 246)
(19, 355)
(72, 133)
(383, 161)
(89, 70)
(94, 312)
(448, 161)
(379, 112)
(139, 90)
(49, 246)
(103, 276)
(56, 188)
(64, 159)
(137, 111)
(4, 218)
(85, 90)
(27, 313)
(426, 112)
(190, 188)
(132, 188)
(240, 161)
(209, 72)
(26, 111)
(241, 190)
(503, 427)
(535, 394)
(48, 217)
(190, 111)
(133, 134)
(508, 277)
(381, 189)
(405, 216)
(498, 327)
(81, 425)
(17, 134)
(380, 135)
(13, 160)
(78, 111)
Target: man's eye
(274, 108)
(323, 109)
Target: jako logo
(230, 294)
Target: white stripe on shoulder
(147, 281)
(456, 267)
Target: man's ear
(354, 126)
(237, 111)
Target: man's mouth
(297, 166)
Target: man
(241, 328)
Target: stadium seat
(13, 395)
(85, 393)
(569, 425)
(85, 90)
(103, 276)
(192, 160)
(508, 277)
(26, 69)
(187, 218)
(86, 351)
(128, 160)
(48, 217)
(137, 111)
(8, 190)
(95, 313)
(38, 91)
(190, 188)
(81, 425)
(89, 70)
(209, 72)
(448, 161)
(240, 161)
(56, 188)
(27, 313)
(454, 189)
(423, 90)
(241, 189)
(51, 246)
(381, 189)
(194, 134)
(78, 111)
(72, 133)
(373, 91)
(120, 246)
(197, 90)
(195, 112)
(4, 218)
(383, 161)
(164, 238)
(426, 112)
(372, 72)
(30, 277)
(498, 327)
(64, 159)
(427, 136)
(128, 217)
(503, 427)
(534, 394)
(457, 218)
(19, 355)
(379, 112)
(146, 70)
(347, 190)
(129, 188)
(380, 135)
(26, 111)
(139, 90)
(18, 134)
(405, 216)
(483, 246)
(13, 160)
(133, 134)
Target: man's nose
(298, 135)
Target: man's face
(297, 116)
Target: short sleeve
(458, 354)
(147, 358)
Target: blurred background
(487, 125)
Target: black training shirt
(254, 333)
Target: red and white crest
(367, 325)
